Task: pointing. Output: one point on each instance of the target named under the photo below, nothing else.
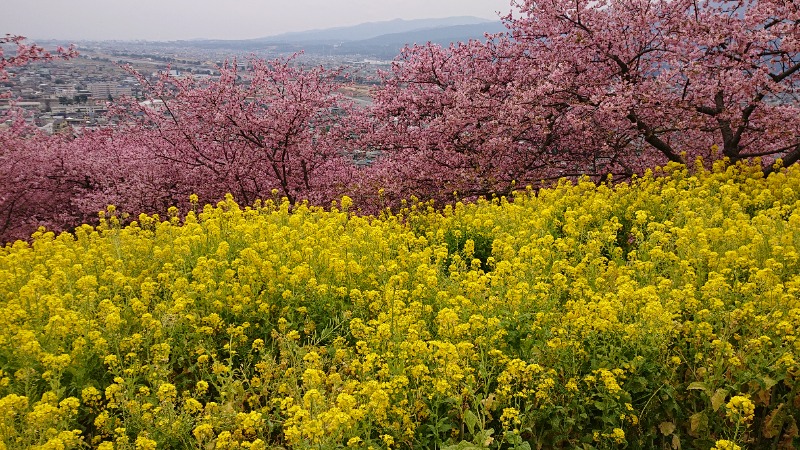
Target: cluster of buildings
(60, 95)
(68, 95)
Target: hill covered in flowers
(660, 313)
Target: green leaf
(513, 438)
(485, 437)
(666, 428)
(463, 445)
(698, 422)
(718, 399)
(470, 419)
(699, 385)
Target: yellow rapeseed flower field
(660, 313)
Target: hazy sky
(219, 19)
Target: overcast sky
(217, 19)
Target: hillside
(389, 45)
(654, 314)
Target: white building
(103, 90)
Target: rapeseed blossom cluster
(740, 409)
(661, 313)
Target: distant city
(67, 96)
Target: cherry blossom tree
(273, 127)
(35, 186)
(468, 120)
(679, 76)
(607, 87)
(273, 130)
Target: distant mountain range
(371, 30)
(375, 39)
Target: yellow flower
(740, 409)
(143, 442)
(193, 406)
(571, 385)
(293, 335)
(724, 444)
(618, 435)
(101, 420)
(201, 387)
(346, 203)
(167, 392)
(510, 417)
(203, 432)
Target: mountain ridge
(368, 30)
(381, 40)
